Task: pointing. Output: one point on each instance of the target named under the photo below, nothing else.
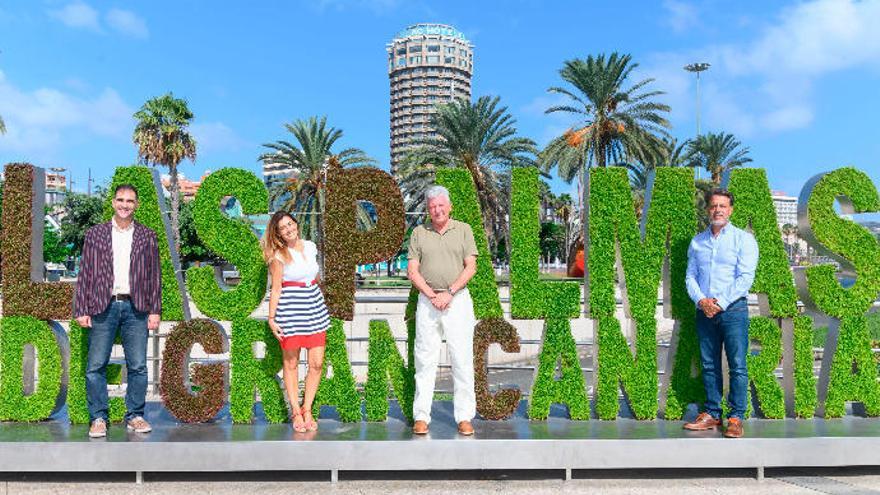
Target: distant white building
(786, 208)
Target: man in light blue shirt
(721, 268)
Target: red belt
(298, 284)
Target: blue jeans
(121, 317)
(729, 329)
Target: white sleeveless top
(303, 267)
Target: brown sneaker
(98, 429)
(734, 428)
(704, 421)
(465, 428)
(138, 424)
(420, 427)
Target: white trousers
(457, 324)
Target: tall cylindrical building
(427, 64)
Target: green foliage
(77, 403)
(530, 298)
(192, 249)
(208, 378)
(232, 240)
(668, 230)
(15, 333)
(384, 365)
(762, 365)
(754, 208)
(345, 245)
(805, 397)
(149, 213)
(685, 384)
(339, 390)
(21, 296)
(617, 366)
(501, 404)
(717, 153)
(81, 212)
(250, 374)
(853, 372)
(54, 251)
(466, 208)
(559, 346)
(845, 238)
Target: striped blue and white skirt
(302, 313)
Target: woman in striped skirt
(297, 314)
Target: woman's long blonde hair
(272, 242)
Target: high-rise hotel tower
(427, 64)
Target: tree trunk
(175, 204)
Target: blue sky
(795, 82)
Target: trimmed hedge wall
(570, 389)
(805, 395)
(210, 379)
(466, 208)
(386, 366)
(22, 296)
(251, 375)
(77, 403)
(233, 240)
(344, 245)
(15, 333)
(340, 390)
(530, 298)
(150, 214)
(754, 208)
(503, 403)
(670, 222)
(761, 366)
(853, 374)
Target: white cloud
(682, 16)
(77, 15)
(38, 121)
(767, 84)
(216, 136)
(127, 23)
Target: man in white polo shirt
(442, 259)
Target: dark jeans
(121, 317)
(729, 329)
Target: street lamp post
(697, 67)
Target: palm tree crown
(619, 123)
(717, 153)
(309, 157)
(163, 138)
(480, 137)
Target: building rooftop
(426, 28)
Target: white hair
(436, 191)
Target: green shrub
(386, 366)
(15, 333)
(77, 403)
(231, 239)
(250, 374)
(762, 365)
(338, 391)
(805, 396)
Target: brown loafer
(465, 428)
(420, 427)
(734, 428)
(704, 421)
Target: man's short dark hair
(719, 192)
(126, 187)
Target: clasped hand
(441, 300)
(710, 307)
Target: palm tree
(2, 126)
(619, 124)
(717, 153)
(309, 157)
(162, 138)
(480, 137)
